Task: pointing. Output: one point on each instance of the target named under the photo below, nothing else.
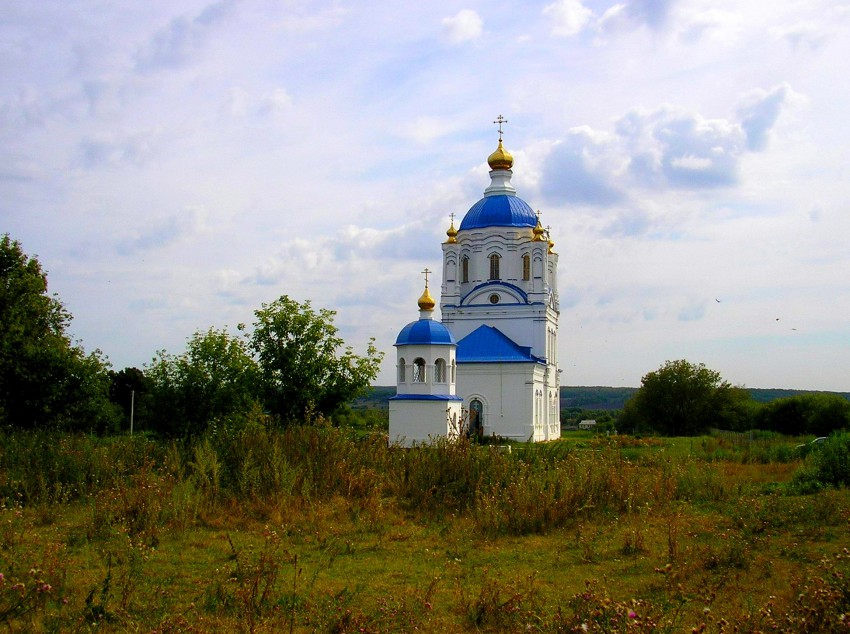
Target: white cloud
(178, 42)
(568, 17)
(758, 113)
(464, 26)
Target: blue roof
(499, 211)
(486, 344)
(425, 331)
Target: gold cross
(500, 120)
(426, 272)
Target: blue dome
(425, 331)
(499, 211)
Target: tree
(127, 390)
(304, 364)
(682, 398)
(214, 380)
(45, 379)
(816, 413)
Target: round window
(494, 299)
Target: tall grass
(534, 489)
(617, 498)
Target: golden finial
(452, 232)
(538, 230)
(501, 159)
(426, 302)
(551, 243)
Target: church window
(526, 267)
(401, 372)
(494, 266)
(440, 371)
(454, 371)
(476, 418)
(419, 370)
(464, 269)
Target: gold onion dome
(426, 302)
(501, 159)
(538, 231)
(452, 233)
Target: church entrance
(476, 418)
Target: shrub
(826, 465)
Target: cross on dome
(500, 120)
(426, 302)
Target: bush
(826, 465)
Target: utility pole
(132, 407)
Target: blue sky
(174, 165)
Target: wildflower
(632, 614)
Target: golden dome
(538, 231)
(501, 159)
(452, 233)
(426, 302)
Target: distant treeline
(588, 398)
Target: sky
(175, 164)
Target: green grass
(315, 530)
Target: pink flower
(632, 614)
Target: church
(489, 367)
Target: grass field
(313, 530)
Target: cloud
(693, 312)
(657, 150)
(759, 113)
(162, 233)
(107, 150)
(176, 44)
(569, 17)
(806, 33)
(466, 25)
(580, 170)
(634, 14)
(698, 153)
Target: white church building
(490, 366)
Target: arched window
(440, 371)
(464, 269)
(419, 370)
(401, 371)
(476, 418)
(454, 371)
(526, 267)
(494, 266)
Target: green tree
(45, 379)
(304, 364)
(684, 399)
(128, 389)
(816, 413)
(214, 380)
